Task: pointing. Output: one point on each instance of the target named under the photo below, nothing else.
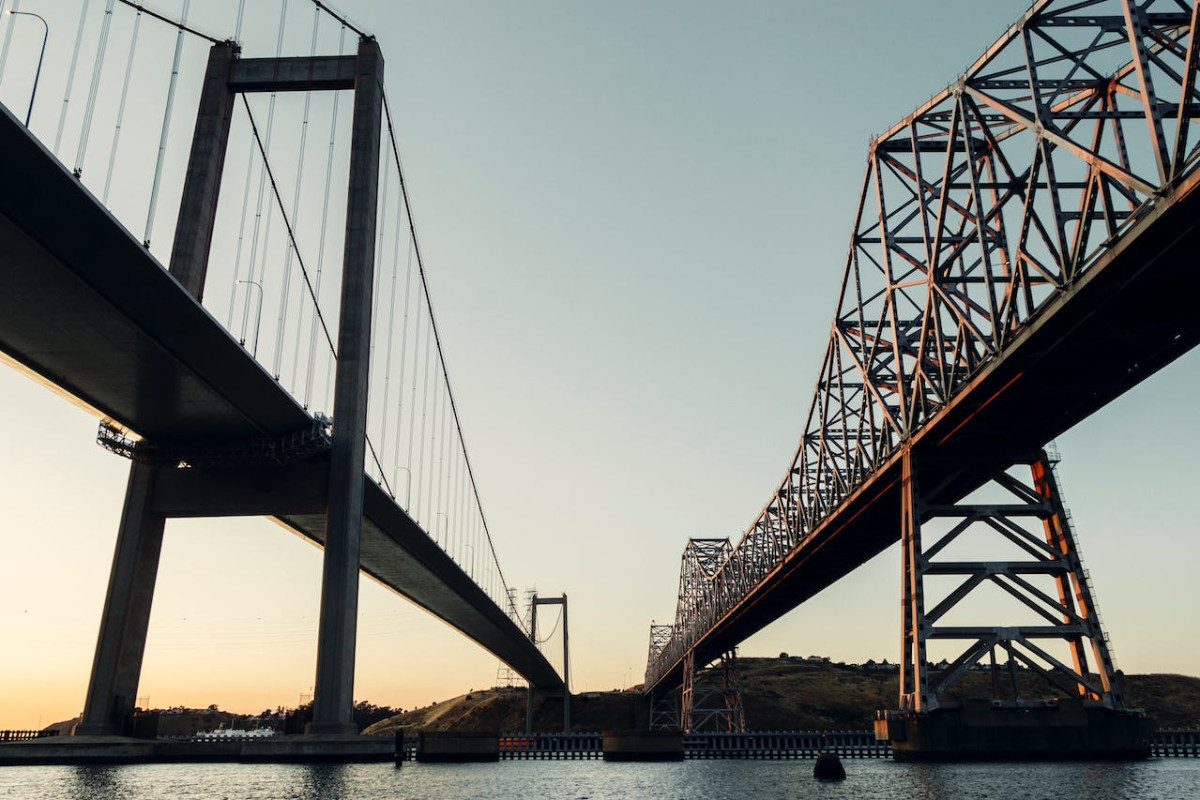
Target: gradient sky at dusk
(635, 217)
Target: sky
(634, 217)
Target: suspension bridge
(1022, 254)
(260, 352)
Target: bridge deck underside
(1134, 312)
(85, 309)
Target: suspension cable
(404, 357)
(412, 406)
(281, 328)
(166, 128)
(262, 178)
(553, 630)
(312, 330)
(112, 159)
(180, 24)
(237, 28)
(237, 258)
(90, 108)
(62, 117)
(286, 222)
(8, 35)
(391, 335)
(433, 326)
(345, 24)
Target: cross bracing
(991, 201)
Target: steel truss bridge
(1024, 252)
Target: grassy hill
(778, 694)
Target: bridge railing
(990, 200)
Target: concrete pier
(457, 747)
(128, 750)
(643, 746)
(1063, 731)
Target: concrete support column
(333, 697)
(117, 667)
(202, 184)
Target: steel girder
(976, 210)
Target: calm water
(1161, 779)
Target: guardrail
(1176, 742)
(23, 736)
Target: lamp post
(37, 75)
(257, 318)
(407, 483)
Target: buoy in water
(829, 768)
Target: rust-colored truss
(976, 210)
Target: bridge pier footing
(1067, 730)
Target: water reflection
(929, 781)
(324, 782)
(95, 783)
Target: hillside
(778, 694)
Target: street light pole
(407, 484)
(37, 75)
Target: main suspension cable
(181, 24)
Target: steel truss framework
(712, 704)
(1044, 574)
(993, 197)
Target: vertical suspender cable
(436, 438)
(403, 360)
(424, 408)
(8, 34)
(433, 333)
(166, 126)
(457, 498)
(412, 406)
(281, 327)
(262, 183)
(434, 468)
(387, 358)
(251, 160)
(101, 46)
(237, 31)
(62, 117)
(112, 159)
(377, 278)
(442, 457)
(312, 332)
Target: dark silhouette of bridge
(1023, 253)
(210, 431)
